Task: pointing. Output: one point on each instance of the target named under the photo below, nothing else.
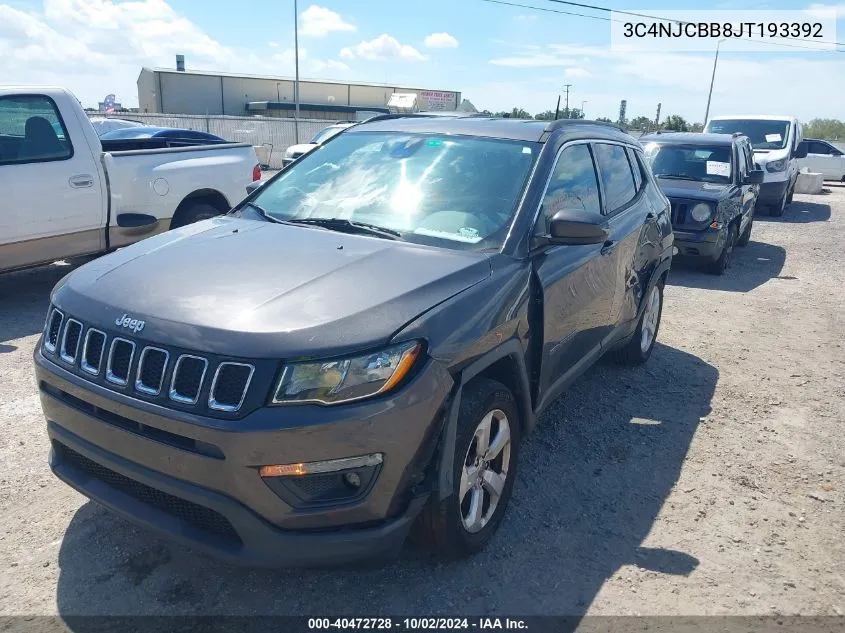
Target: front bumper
(704, 244)
(196, 479)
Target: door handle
(81, 181)
(608, 247)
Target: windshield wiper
(676, 176)
(263, 212)
(348, 226)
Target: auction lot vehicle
(295, 151)
(66, 194)
(712, 183)
(823, 158)
(408, 298)
(776, 141)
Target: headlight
(776, 165)
(334, 381)
(701, 212)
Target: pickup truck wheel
(486, 449)
(638, 349)
(746, 234)
(722, 262)
(195, 213)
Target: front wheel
(639, 348)
(746, 234)
(779, 208)
(486, 449)
(722, 262)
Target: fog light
(353, 479)
(327, 466)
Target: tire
(195, 213)
(724, 260)
(446, 526)
(777, 210)
(638, 349)
(746, 234)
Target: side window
(616, 175)
(815, 147)
(636, 167)
(31, 130)
(573, 184)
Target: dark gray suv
(359, 346)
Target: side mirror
(575, 226)
(755, 177)
(801, 150)
(254, 185)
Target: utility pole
(296, 61)
(712, 78)
(566, 107)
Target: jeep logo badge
(129, 323)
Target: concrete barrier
(808, 183)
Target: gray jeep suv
(359, 346)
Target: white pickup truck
(63, 194)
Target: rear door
(634, 232)
(52, 200)
(577, 282)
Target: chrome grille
(70, 341)
(151, 367)
(92, 351)
(110, 361)
(229, 387)
(188, 375)
(121, 353)
(54, 327)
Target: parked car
(67, 194)
(361, 343)
(295, 151)
(776, 141)
(823, 158)
(713, 185)
(103, 125)
(147, 137)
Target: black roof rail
(559, 123)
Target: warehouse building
(207, 93)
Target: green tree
(641, 123)
(604, 119)
(696, 127)
(828, 129)
(548, 115)
(676, 123)
(516, 113)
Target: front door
(577, 282)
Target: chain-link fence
(270, 136)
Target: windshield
(690, 162)
(458, 192)
(324, 135)
(763, 134)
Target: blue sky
(497, 56)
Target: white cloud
(533, 60)
(571, 73)
(383, 47)
(318, 21)
(441, 40)
(273, 44)
(819, 10)
(525, 17)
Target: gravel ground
(709, 481)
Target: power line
(604, 19)
(654, 17)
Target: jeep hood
(694, 189)
(254, 289)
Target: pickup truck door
(53, 201)
(577, 282)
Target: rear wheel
(722, 262)
(486, 449)
(638, 349)
(194, 213)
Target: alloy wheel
(650, 319)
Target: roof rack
(559, 123)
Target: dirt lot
(709, 481)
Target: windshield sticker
(526, 150)
(773, 138)
(470, 236)
(715, 168)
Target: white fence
(274, 134)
